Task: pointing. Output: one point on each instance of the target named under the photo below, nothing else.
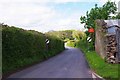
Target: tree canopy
(78, 35)
(117, 16)
(103, 12)
(62, 34)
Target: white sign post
(89, 39)
(47, 43)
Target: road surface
(70, 63)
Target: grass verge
(99, 66)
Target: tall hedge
(23, 47)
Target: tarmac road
(70, 63)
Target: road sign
(47, 41)
(89, 39)
(91, 30)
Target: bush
(84, 44)
(71, 43)
(23, 47)
(97, 64)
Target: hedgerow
(23, 47)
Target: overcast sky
(45, 15)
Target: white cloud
(104, 1)
(55, 1)
(110, 0)
(37, 15)
(24, 14)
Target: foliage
(107, 71)
(62, 34)
(87, 33)
(22, 47)
(85, 44)
(98, 13)
(117, 16)
(67, 39)
(95, 13)
(78, 35)
(97, 64)
(71, 43)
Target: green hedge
(71, 43)
(23, 47)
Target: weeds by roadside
(97, 64)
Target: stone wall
(100, 39)
(107, 43)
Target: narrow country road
(70, 63)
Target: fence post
(118, 44)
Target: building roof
(113, 22)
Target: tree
(62, 34)
(98, 13)
(117, 16)
(78, 35)
(95, 13)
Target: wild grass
(98, 65)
